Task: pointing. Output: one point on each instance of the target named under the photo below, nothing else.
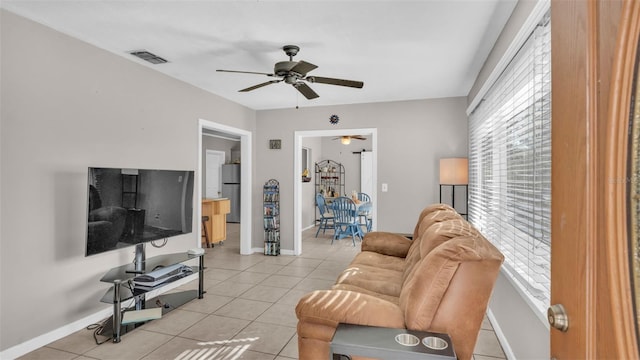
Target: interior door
(214, 160)
(594, 46)
(366, 172)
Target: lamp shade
(345, 140)
(454, 171)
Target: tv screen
(131, 206)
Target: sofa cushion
(378, 280)
(424, 289)
(433, 236)
(331, 307)
(386, 243)
(379, 260)
(428, 210)
(349, 287)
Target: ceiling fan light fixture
(345, 140)
(294, 72)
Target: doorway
(297, 188)
(245, 188)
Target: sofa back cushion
(417, 231)
(439, 227)
(424, 289)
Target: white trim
(220, 136)
(541, 7)
(502, 338)
(297, 187)
(245, 182)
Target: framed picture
(275, 144)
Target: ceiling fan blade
(332, 81)
(305, 90)
(358, 137)
(244, 72)
(303, 67)
(259, 85)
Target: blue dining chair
(364, 211)
(364, 197)
(326, 218)
(345, 219)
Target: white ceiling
(401, 50)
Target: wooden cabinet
(216, 210)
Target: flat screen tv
(127, 207)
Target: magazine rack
(271, 217)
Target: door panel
(588, 255)
(214, 161)
(623, 109)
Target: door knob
(557, 317)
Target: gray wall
(526, 334)
(66, 106)
(412, 137)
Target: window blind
(510, 165)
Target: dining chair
(364, 197)
(364, 215)
(364, 211)
(345, 219)
(326, 218)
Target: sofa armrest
(386, 243)
(331, 307)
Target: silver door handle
(557, 317)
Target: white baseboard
(44, 339)
(508, 352)
(66, 330)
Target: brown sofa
(440, 281)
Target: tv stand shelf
(121, 276)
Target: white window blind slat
(510, 165)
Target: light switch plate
(385, 187)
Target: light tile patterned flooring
(248, 311)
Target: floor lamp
(454, 172)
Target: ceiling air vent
(147, 56)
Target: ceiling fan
(295, 73)
(346, 139)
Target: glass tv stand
(122, 276)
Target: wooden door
(593, 55)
